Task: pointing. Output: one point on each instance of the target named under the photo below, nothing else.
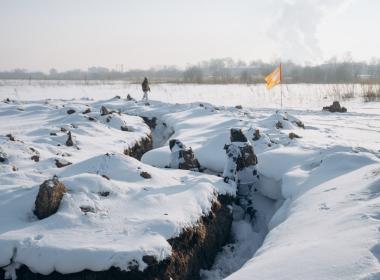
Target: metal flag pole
(281, 82)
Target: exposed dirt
(194, 249)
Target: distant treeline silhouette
(219, 71)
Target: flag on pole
(274, 78)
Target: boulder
(3, 156)
(256, 135)
(335, 107)
(88, 110)
(182, 157)
(236, 135)
(104, 111)
(70, 111)
(145, 175)
(292, 135)
(70, 140)
(49, 198)
(62, 163)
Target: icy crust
(129, 216)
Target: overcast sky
(67, 34)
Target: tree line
(221, 71)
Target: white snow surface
(318, 204)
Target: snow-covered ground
(318, 204)
(296, 95)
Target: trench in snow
(247, 235)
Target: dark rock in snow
(53, 134)
(124, 128)
(279, 125)
(104, 111)
(182, 157)
(70, 140)
(145, 175)
(70, 111)
(151, 122)
(11, 137)
(49, 198)
(91, 119)
(105, 177)
(86, 209)
(36, 158)
(256, 135)
(292, 135)
(3, 156)
(63, 129)
(300, 124)
(335, 107)
(130, 98)
(236, 135)
(62, 163)
(88, 110)
(104, 194)
(239, 107)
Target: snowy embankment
(112, 215)
(317, 206)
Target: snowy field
(297, 96)
(318, 203)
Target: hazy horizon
(42, 34)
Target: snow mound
(110, 216)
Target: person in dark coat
(145, 89)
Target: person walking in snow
(145, 89)
(241, 168)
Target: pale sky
(68, 34)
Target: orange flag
(274, 78)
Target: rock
(63, 129)
(124, 128)
(49, 198)
(241, 159)
(256, 135)
(292, 135)
(86, 209)
(239, 107)
(151, 122)
(104, 111)
(3, 156)
(11, 137)
(53, 134)
(129, 98)
(88, 110)
(300, 124)
(182, 157)
(36, 158)
(236, 135)
(91, 119)
(104, 194)
(117, 97)
(70, 111)
(105, 177)
(335, 107)
(70, 140)
(62, 163)
(279, 125)
(145, 175)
